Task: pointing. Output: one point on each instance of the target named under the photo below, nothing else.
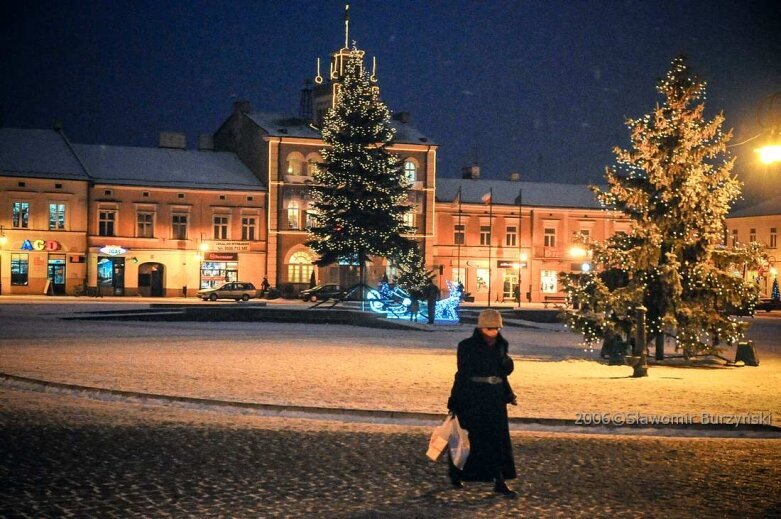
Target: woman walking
(479, 399)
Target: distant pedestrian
(517, 295)
(264, 286)
(414, 305)
(479, 399)
(432, 296)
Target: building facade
(508, 239)
(283, 152)
(759, 223)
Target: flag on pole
(487, 198)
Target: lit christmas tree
(775, 295)
(676, 186)
(360, 192)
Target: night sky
(538, 88)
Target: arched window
(300, 267)
(311, 163)
(292, 214)
(410, 171)
(295, 164)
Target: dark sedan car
(320, 292)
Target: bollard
(747, 353)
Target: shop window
(481, 279)
(145, 227)
(485, 235)
(19, 269)
(459, 231)
(220, 225)
(457, 275)
(292, 214)
(248, 226)
(511, 236)
(549, 282)
(410, 171)
(179, 226)
(56, 217)
(21, 215)
(106, 223)
(300, 268)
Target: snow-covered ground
(351, 367)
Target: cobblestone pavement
(64, 456)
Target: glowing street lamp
(769, 154)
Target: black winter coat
(482, 408)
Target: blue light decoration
(395, 303)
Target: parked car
(768, 305)
(320, 292)
(238, 290)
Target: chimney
(515, 177)
(471, 172)
(242, 107)
(173, 140)
(305, 104)
(205, 142)
(403, 117)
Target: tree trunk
(660, 346)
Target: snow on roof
(37, 153)
(167, 167)
(281, 125)
(771, 206)
(505, 192)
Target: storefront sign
(230, 246)
(41, 245)
(112, 250)
(222, 256)
(508, 264)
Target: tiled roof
(505, 192)
(281, 125)
(167, 167)
(37, 153)
(771, 206)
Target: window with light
(300, 268)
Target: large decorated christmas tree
(675, 185)
(360, 192)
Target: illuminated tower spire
(327, 87)
(346, 26)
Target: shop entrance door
(510, 283)
(56, 274)
(111, 276)
(150, 279)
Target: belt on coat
(487, 380)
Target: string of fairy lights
(675, 184)
(360, 194)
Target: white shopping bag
(439, 439)
(458, 441)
